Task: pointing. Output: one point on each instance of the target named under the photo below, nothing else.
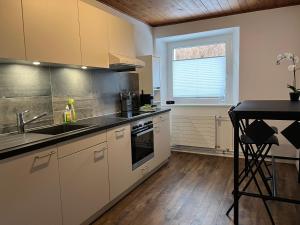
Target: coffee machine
(129, 101)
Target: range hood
(121, 63)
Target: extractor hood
(121, 63)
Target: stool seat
(273, 140)
(275, 129)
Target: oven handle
(143, 132)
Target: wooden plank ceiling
(164, 12)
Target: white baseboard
(216, 152)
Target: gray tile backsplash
(46, 89)
(71, 82)
(24, 81)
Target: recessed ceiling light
(36, 63)
(84, 67)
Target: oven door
(142, 145)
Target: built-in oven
(142, 144)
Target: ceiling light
(36, 63)
(84, 67)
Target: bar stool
(248, 142)
(255, 154)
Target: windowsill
(197, 105)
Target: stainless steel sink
(59, 129)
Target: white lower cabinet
(29, 190)
(69, 183)
(119, 160)
(145, 169)
(84, 183)
(161, 127)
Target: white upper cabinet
(52, 31)
(11, 30)
(149, 76)
(121, 37)
(71, 32)
(29, 189)
(94, 35)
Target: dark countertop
(15, 144)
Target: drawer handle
(121, 130)
(120, 133)
(44, 156)
(101, 150)
(99, 154)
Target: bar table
(262, 110)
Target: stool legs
(255, 162)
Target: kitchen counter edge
(55, 139)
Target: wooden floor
(196, 190)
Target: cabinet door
(146, 75)
(11, 30)
(119, 160)
(93, 35)
(121, 37)
(52, 31)
(162, 138)
(29, 190)
(84, 183)
(156, 72)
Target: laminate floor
(196, 190)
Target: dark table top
(15, 144)
(268, 109)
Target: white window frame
(228, 40)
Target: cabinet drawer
(161, 117)
(76, 145)
(119, 132)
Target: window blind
(199, 78)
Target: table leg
(236, 172)
(299, 170)
(247, 151)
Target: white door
(119, 160)
(84, 183)
(52, 31)
(93, 35)
(121, 37)
(161, 138)
(11, 30)
(29, 190)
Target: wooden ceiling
(164, 12)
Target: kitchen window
(200, 71)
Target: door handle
(144, 132)
(120, 133)
(44, 156)
(99, 154)
(101, 150)
(162, 118)
(41, 161)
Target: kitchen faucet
(21, 122)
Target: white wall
(143, 32)
(263, 35)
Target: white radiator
(198, 131)
(202, 131)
